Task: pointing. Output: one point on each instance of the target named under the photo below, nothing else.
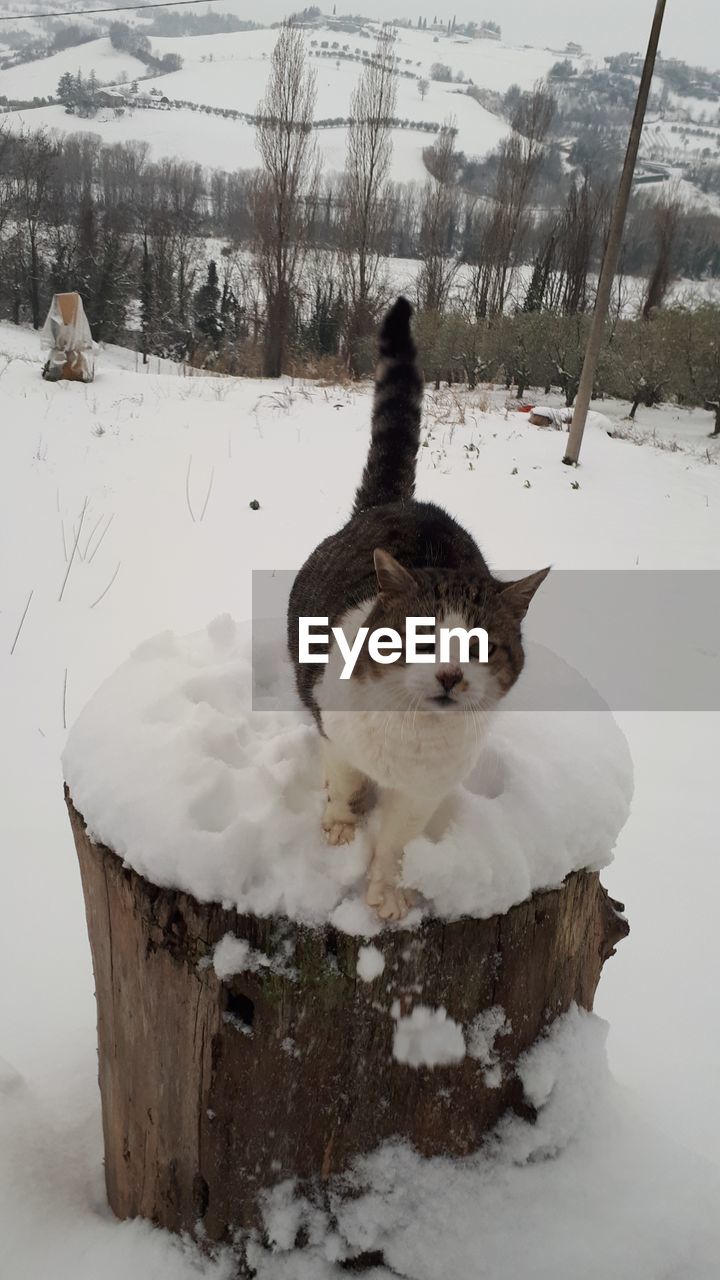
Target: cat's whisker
(406, 719)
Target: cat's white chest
(413, 750)
(433, 752)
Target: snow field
(39, 79)
(638, 1178)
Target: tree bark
(213, 1091)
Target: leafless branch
(20, 626)
(75, 547)
(104, 593)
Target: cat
(406, 733)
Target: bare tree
(561, 277)
(365, 195)
(423, 86)
(667, 214)
(184, 185)
(700, 344)
(638, 361)
(7, 194)
(438, 223)
(404, 206)
(284, 195)
(502, 228)
(35, 160)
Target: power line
(83, 13)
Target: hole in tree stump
(240, 1008)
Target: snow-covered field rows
(144, 455)
(230, 71)
(217, 143)
(237, 73)
(182, 134)
(674, 141)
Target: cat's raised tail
(389, 474)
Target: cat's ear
(393, 580)
(517, 595)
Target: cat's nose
(448, 677)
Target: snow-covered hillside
(229, 144)
(230, 68)
(230, 71)
(675, 141)
(184, 134)
(39, 79)
(165, 467)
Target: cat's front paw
(337, 833)
(391, 902)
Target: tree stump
(214, 1091)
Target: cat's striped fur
(399, 726)
(389, 474)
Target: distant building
(574, 50)
(624, 63)
(487, 33)
(109, 98)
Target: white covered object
(170, 768)
(66, 335)
(557, 418)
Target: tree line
(304, 270)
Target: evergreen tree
(536, 289)
(206, 307)
(66, 90)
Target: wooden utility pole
(612, 252)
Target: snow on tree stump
(215, 1091)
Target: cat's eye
(474, 648)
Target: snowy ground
(640, 1177)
